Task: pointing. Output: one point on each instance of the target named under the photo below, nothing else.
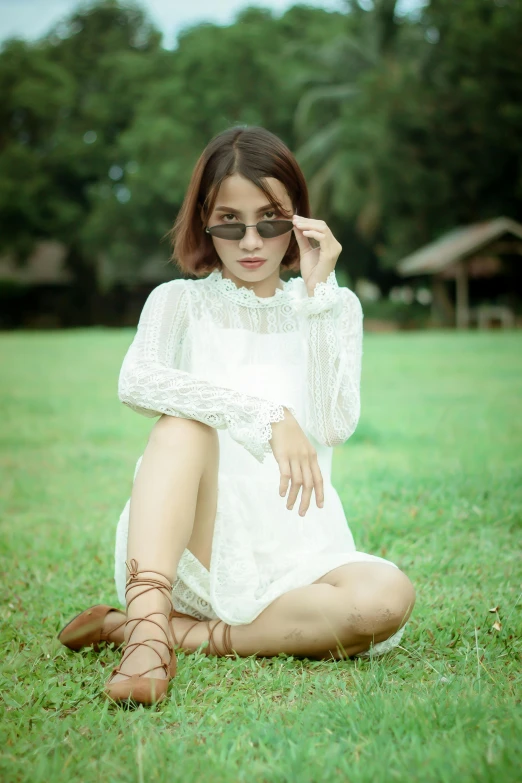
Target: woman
(233, 519)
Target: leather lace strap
(180, 643)
(211, 648)
(148, 583)
(105, 637)
(227, 646)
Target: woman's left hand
(316, 262)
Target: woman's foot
(147, 636)
(150, 651)
(189, 634)
(94, 627)
(113, 629)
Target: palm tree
(328, 124)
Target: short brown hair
(255, 153)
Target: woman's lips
(253, 264)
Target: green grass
(432, 480)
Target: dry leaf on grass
(497, 625)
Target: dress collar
(246, 296)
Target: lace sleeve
(334, 329)
(150, 384)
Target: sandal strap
(148, 583)
(180, 643)
(104, 637)
(226, 641)
(211, 648)
(139, 620)
(134, 646)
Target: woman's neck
(261, 288)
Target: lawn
(432, 480)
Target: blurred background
(406, 117)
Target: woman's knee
(169, 429)
(382, 603)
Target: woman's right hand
(297, 460)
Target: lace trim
(245, 296)
(326, 296)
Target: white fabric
(210, 351)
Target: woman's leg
(339, 615)
(173, 506)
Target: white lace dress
(211, 351)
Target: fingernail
(321, 505)
(301, 513)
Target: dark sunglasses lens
(232, 231)
(274, 228)
(266, 228)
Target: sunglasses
(265, 228)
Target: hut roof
(455, 245)
(44, 265)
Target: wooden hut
(482, 250)
(42, 291)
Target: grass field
(432, 480)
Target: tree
(69, 97)
(105, 126)
(455, 133)
(217, 77)
(423, 134)
(339, 124)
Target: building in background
(476, 274)
(38, 292)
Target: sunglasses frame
(252, 225)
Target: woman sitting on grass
(254, 380)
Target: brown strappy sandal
(139, 688)
(227, 645)
(86, 629)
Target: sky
(31, 19)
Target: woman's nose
(251, 238)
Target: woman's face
(240, 201)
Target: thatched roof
(456, 245)
(44, 265)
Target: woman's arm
(150, 384)
(333, 317)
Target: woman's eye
(272, 213)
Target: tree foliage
(424, 130)
(405, 125)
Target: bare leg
(354, 605)
(173, 505)
(337, 616)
